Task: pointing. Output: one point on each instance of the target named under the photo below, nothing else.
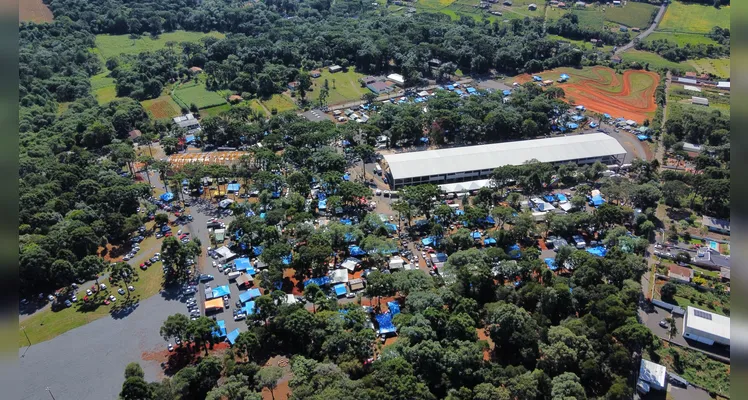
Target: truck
(234, 275)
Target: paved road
(89, 362)
(646, 33)
(634, 147)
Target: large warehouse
(462, 164)
(706, 327)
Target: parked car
(206, 278)
(102, 286)
(112, 298)
(350, 295)
(89, 292)
(664, 324)
(68, 303)
(131, 288)
(177, 341)
(170, 347)
(121, 291)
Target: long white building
(470, 163)
(706, 327)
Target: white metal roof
(464, 186)
(397, 78)
(723, 85)
(489, 156)
(692, 88)
(709, 322)
(652, 373)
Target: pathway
(646, 33)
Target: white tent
(423, 93)
(464, 186)
(339, 276)
(225, 203)
(350, 263)
(396, 262)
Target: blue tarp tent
(242, 264)
(551, 263)
(564, 76)
(450, 87)
(391, 227)
(427, 241)
(233, 335)
(471, 90)
(287, 259)
(340, 289)
(167, 196)
(642, 137)
(262, 215)
(506, 92)
(322, 281)
(424, 140)
(221, 331)
(249, 307)
(346, 221)
(459, 92)
(459, 212)
(599, 251)
(537, 78)
(254, 293)
(597, 201)
(321, 195)
(345, 143)
(222, 291)
(561, 197)
(489, 241)
(257, 250)
(394, 307)
(475, 235)
(549, 198)
(572, 125)
(356, 251)
(322, 205)
(385, 323)
(189, 139)
(346, 177)
(233, 187)
(245, 297)
(577, 118)
(185, 182)
(514, 249)
(349, 237)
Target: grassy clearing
(280, 103)
(48, 324)
(62, 107)
(634, 15)
(695, 367)
(689, 296)
(640, 82)
(679, 101)
(213, 111)
(655, 61)
(582, 44)
(112, 45)
(195, 93)
(255, 105)
(694, 18)
(345, 88)
(103, 87)
(681, 39)
(162, 107)
(715, 66)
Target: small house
(435, 62)
(702, 101)
(623, 29)
(684, 274)
(532, 7)
(315, 73)
(690, 74)
(652, 375)
(507, 3)
(334, 68)
(561, 5)
(235, 98)
(397, 79)
(723, 85)
(196, 70)
(134, 134)
(691, 148)
(635, 30)
(293, 85)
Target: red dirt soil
(590, 92)
(34, 11)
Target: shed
(339, 276)
(653, 374)
(723, 85)
(397, 79)
(243, 280)
(340, 290)
(315, 73)
(691, 148)
(335, 68)
(692, 88)
(532, 7)
(356, 284)
(396, 262)
(350, 263)
(702, 101)
(214, 304)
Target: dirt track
(603, 91)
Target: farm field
(634, 15)
(601, 90)
(345, 88)
(213, 111)
(681, 39)
(112, 45)
(694, 18)
(679, 100)
(195, 93)
(161, 107)
(255, 105)
(280, 103)
(719, 67)
(655, 61)
(103, 87)
(34, 11)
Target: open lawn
(195, 93)
(281, 103)
(634, 15)
(112, 45)
(46, 324)
(34, 11)
(582, 44)
(695, 367)
(655, 61)
(162, 107)
(255, 105)
(716, 66)
(345, 88)
(213, 111)
(681, 39)
(103, 87)
(679, 100)
(694, 18)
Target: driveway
(652, 320)
(647, 32)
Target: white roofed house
(187, 122)
(651, 375)
(397, 79)
(723, 85)
(706, 327)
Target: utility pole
(50, 393)
(27, 335)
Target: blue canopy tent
(642, 137)
(427, 241)
(249, 308)
(254, 293)
(232, 336)
(459, 92)
(394, 307)
(514, 251)
(551, 263)
(564, 76)
(349, 237)
(471, 90)
(459, 212)
(476, 235)
(222, 291)
(346, 177)
(242, 264)
(419, 100)
(506, 92)
(287, 259)
(346, 221)
(537, 78)
(233, 187)
(245, 297)
(356, 251)
(561, 197)
(577, 118)
(257, 250)
(385, 323)
(322, 205)
(572, 125)
(597, 201)
(599, 251)
(391, 227)
(424, 140)
(321, 281)
(450, 87)
(221, 331)
(167, 196)
(549, 198)
(189, 139)
(489, 241)
(340, 289)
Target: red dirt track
(598, 93)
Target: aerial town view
(409, 199)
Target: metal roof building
(469, 163)
(706, 327)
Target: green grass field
(195, 93)
(719, 67)
(345, 88)
(681, 39)
(590, 17)
(695, 367)
(62, 107)
(582, 44)
(111, 45)
(281, 103)
(103, 87)
(654, 60)
(255, 105)
(163, 107)
(634, 15)
(213, 111)
(47, 324)
(694, 18)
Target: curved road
(646, 33)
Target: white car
(89, 292)
(74, 299)
(121, 291)
(170, 347)
(378, 192)
(131, 288)
(179, 232)
(350, 295)
(112, 298)
(215, 264)
(102, 286)
(126, 257)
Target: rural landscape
(429, 199)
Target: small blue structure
(572, 125)
(577, 118)
(506, 92)
(424, 140)
(356, 251)
(459, 212)
(189, 139)
(242, 264)
(185, 182)
(394, 307)
(345, 143)
(254, 293)
(286, 260)
(427, 241)
(489, 241)
(459, 92)
(257, 250)
(471, 90)
(340, 290)
(514, 251)
(476, 235)
(597, 201)
(221, 331)
(385, 323)
(561, 197)
(322, 205)
(551, 263)
(390, 227)
(233, 187)
(593, 125)
(346, 177)
(599, 251)
(450, 87)
(244, 297)
(642, 137)
(232, 336)
(222, 291)
(346, 221)
(607, 116)
(564, 77)
(321, 281)
(537, 78)
(249, 308)
(168, 196)
(579, 108)
(549, 198)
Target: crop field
(34, 11)
(694, 18)
(344, 89)
(601, 90)
(196, 93)
(681, 39)
(213, 111)
(113, 45)
(634, 15)
(655, 61)
(162, 107)
(715, 66)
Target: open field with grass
(655, 61)
(112, 45)
(62, 107)
(681, 39)
(255, 105)
(634, 15)
(280, 103)
(679, 100)
(103, 87)
(694, 18)
(689, 296)
(695, 367)
(345, 88)
(46, 324)
(162, 107)
(34, 11)
(716, 66)
(195, 93)
(582, 44)
(213, 111)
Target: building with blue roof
(245, 297)
(506, 92)
(257, 250)
(233, 187)
(572, 125)
(459, 92)
(222, 291)
(597, 201)
(232, 336)
(340, 289)
(385, 323)
(168, 196)
(242, 264)
(537, 78)
(249, 307)
(394, 307)
(221, 331)
(551, 263)
(321, 281)
(356, 251)
(471, 90)
(450, 87)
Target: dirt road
(646, 33)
